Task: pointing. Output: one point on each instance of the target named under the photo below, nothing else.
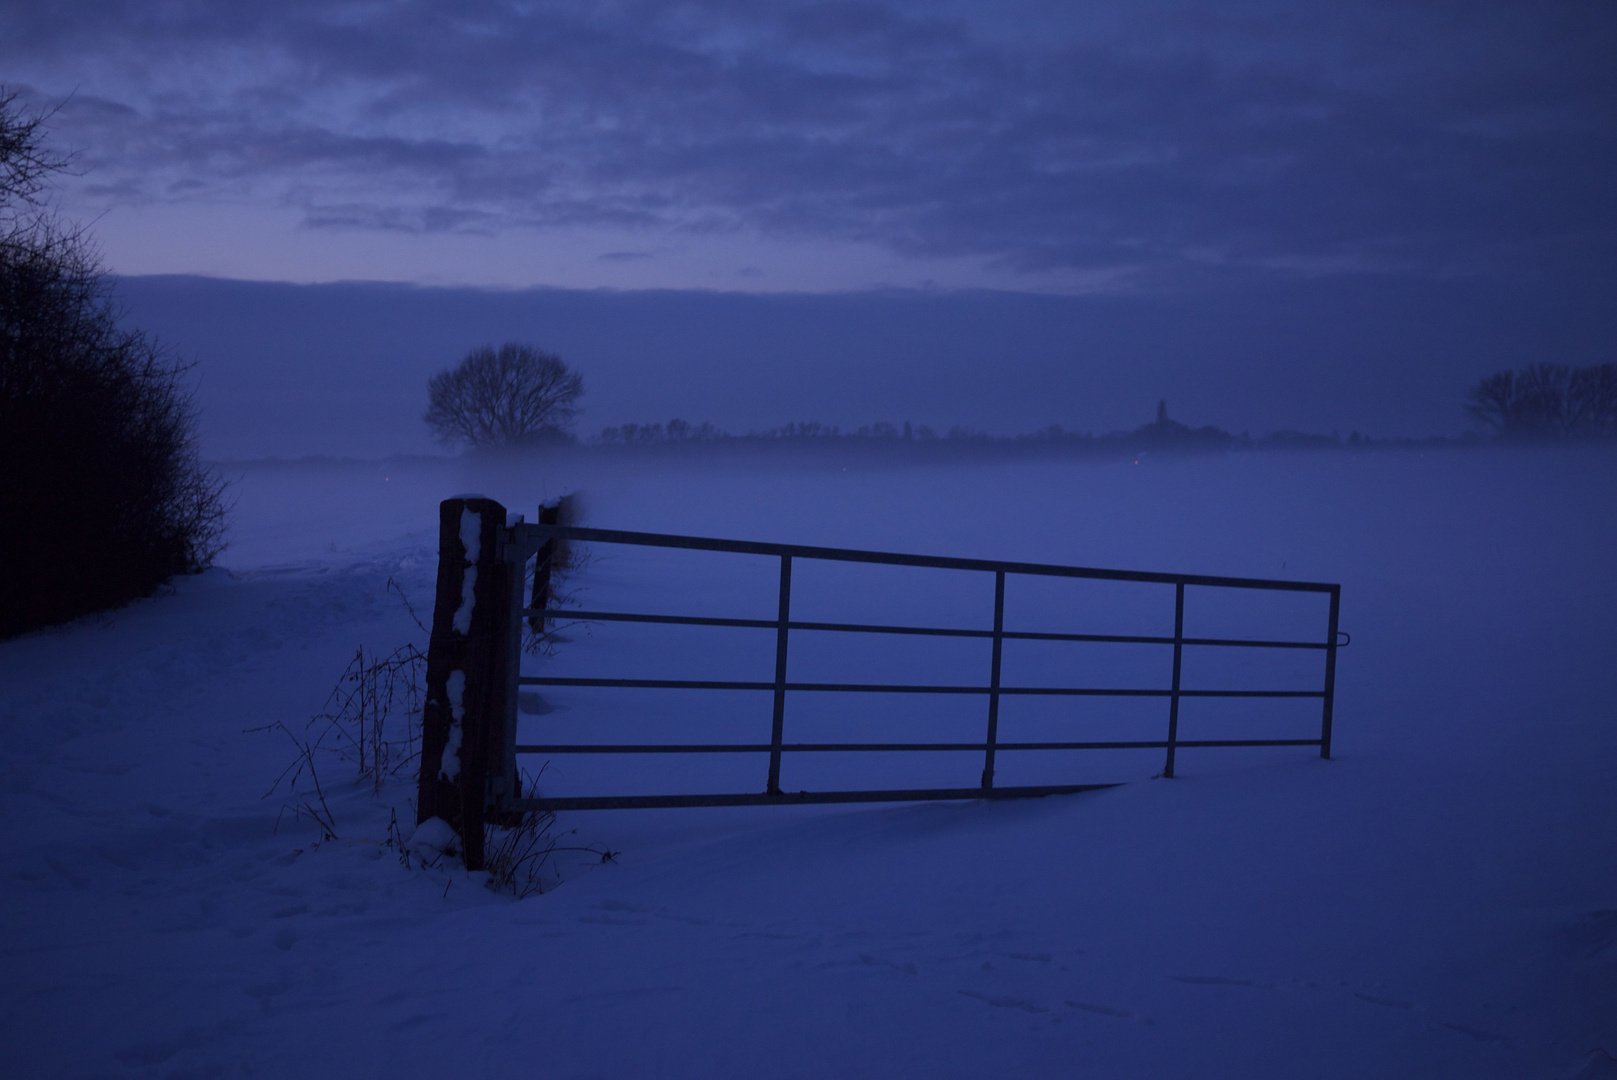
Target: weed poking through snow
(372, 721)
(373, 715)
(524, 859)
(310, 802)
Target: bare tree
(510, 396)
(1592, 400)
(1547, 401)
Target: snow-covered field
(1438, 901)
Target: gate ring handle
(1344, 634)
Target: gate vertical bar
(778, 727)
(1178, 655)
(543, 564)
(1330, 675)
(993, 681)
(503, 782)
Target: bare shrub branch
(25, 160)
(373, 714)
(302, 770)
(103, 492)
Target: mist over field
(288, 370)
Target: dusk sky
(1113, 151)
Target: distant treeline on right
(1538, 403)
(1543, 402)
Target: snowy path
(1441, 901)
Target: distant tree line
(1547, 402)
(517, 395)
(1165, 435)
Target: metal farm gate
(470, 747)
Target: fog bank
(341, 369)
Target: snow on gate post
(464, 765)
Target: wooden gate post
(467, 675)
(553, 553)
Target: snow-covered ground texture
(1438, 901)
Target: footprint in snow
(623, 905)
(1000, 1002)
(906, 968)
(619, 994)
(1219, 980)
(1102, 1010)
(268, 989)
(147, 1054)
(1596, 1065)
(1476, 1033)
(691, 920)
(1595, 934)
(1387, 1002)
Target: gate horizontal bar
(825, 748)
(786, 798)
(879, 628)
(535, 533)
(903, 688)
